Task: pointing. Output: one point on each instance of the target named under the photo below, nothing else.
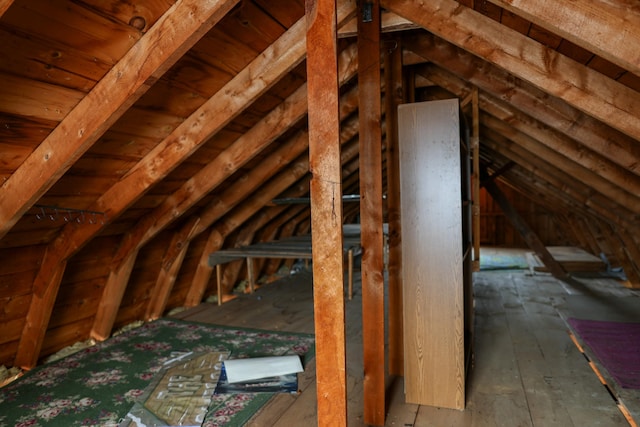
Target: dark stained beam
(371, 211)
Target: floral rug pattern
(97, 386)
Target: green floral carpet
(98, 386)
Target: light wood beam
(326, 213)
(578, 85)
(169, 38)
(612, 32)
(524, 97)
(394, 96)
(373, 322)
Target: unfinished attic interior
(470, 171)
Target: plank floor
(526, 369)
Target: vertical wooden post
(371, 211)
(475, 179)
(326, 212)
(219, 282)
(394, 97)
(250, 275)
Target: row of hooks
(79, 216)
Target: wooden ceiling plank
(585, 89)
(609, 28)
(177, 31)
(141, 66)
(608, 142)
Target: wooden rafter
(556, 114)
(177, 31)
(172, 35)
(613, 31)
(578, 85)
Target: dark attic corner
(386, 212)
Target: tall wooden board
(432, 253)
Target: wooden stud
(219, 282)
(250, 275)
(326, 212)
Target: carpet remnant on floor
(616, 345)
(99, 385)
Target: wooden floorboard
(526, 370)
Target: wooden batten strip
(393, 97)
(602, 36)
(475, 177)
(370, 137)
(169, 38)
(326, 212)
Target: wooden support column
(475, 178)
(371, 211)
(529, 236)
(326, 212)
(393, 97)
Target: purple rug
(616, 346)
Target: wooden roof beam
(524, 97)
(613, 30)
(626, 185)
(583, 170)
(580, 86)
(169, 38)
(565, 187)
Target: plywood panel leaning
(432, 253)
